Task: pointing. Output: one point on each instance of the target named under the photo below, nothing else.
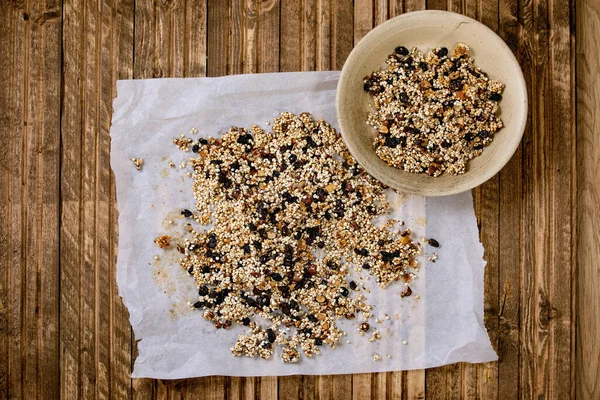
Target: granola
(290, 214)
(433, 113)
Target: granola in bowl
(433, 112)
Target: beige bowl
(426, 30)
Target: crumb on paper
(376, 357)
(163, 241)
(138, 162)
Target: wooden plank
(526, 290)
(561, 201)
(195, 50)
(510, 231)
(324, 35)
(588, 198)
(290, 36)
(6, 75)
(268, 36)
(361, 386)
(379, 385)
(290, 387)
(120, 59)
(30, 120)
(342, 34)
(217, 41)
(268, 387)
(363, 18)
(74, 69)
(481, 380)
(17, 70)
(342, 386)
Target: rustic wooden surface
(63, 329)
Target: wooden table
(63, 328)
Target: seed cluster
(434, 112)
(290, 213)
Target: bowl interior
(426, 30)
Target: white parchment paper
(443, 325)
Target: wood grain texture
(588, 198)
(63, 328)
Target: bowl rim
(477, 180)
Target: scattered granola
(163, 241)
(137, 162)
(433, 112)
(290, 213)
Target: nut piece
(137, 162)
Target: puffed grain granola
(434, 112)
(290, 213)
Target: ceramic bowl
(426, 30)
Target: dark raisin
(445, 144)
(305, 331)
(310, 142)
(202, 291)
(401, 50)
(292, 158)
(321, 245)
(456, 85)
(403, 97)
(362, 252)
(364, 327)
(198, 304)
(391, 141)
(366, 266)
(484, 134)
(443, 52)
(276, 277)
(433, 243)
(495, 97)
(252, 227)
(271, 335)
(245, 139)
(245, 321)
(264, 301)
(318, 341)
(406, 292)
(195, 148)
(206, 269)
(320, 194)
(468, 137)
(202, 141)
(423, 65)
(246, 248)
(312, 318)
(186, 213)
(212, 241)
(352, 285)
(331, 265)
(344, 291)
(257, 245)
(285, 308)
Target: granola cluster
(433, 112)
(288, 215)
